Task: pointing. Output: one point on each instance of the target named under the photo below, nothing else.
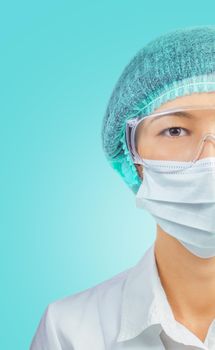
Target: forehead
(196, 116)
(201, 99)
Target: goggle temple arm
(130, 130)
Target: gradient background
(68, 221)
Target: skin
(188, 280)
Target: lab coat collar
(143, 299)
(144, 303)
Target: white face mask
(182, 203)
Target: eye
(174, 131)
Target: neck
(188, 280)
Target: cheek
(148, 148)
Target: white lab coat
(128, 311)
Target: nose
(208, 147)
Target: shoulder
(89, 313)
(89, 302)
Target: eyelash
(172, 127)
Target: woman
(158, 133)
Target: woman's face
(153, 143)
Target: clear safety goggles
(177, 134)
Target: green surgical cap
(178, 63)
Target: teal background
(68, 221)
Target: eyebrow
(176, 114)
